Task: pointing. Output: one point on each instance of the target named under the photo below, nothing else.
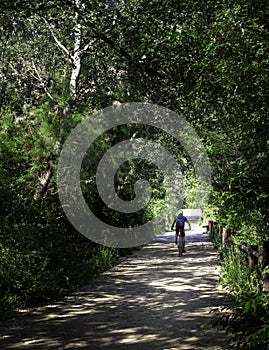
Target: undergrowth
(247, 317)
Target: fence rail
(255, 256)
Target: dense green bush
(247, 314)
(40, 262)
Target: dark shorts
(181, 231)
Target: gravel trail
(151, 300)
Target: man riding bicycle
(180, 220)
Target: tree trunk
(76, 67)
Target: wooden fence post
(253, 260)
(226, 233)
(220, 232)
(210, 227)
(265, 263)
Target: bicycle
(180, 244)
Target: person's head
(180, 212)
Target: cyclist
(180, 220)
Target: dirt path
(151, 300)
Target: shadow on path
(151, 300)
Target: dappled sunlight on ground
(152, 299)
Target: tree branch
(39, 78)
(123, 52)
(56, 39)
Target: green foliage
(247, 317)
(41, 257)
(22, 268)
(247, 320)
(236, 275)
(206, 60)
(42, 261)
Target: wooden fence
(255, 257)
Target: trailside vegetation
(61, 61)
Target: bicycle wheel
(180, 247)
